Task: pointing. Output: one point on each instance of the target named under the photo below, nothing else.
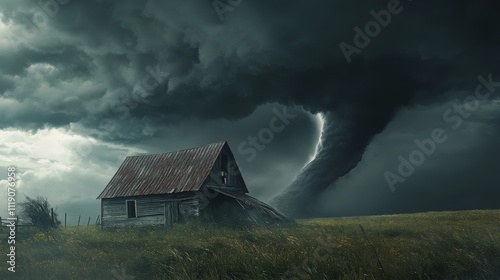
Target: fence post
(64, 220)
(97, 220)
(88, 222)
(78, 220)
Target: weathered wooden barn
(203, 183)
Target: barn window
(223, 176)
(223, 168)
(131, 209)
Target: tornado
(348, 130)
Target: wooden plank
(168, 216)
(175, 211)
(150, 209)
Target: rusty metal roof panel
(172, 172)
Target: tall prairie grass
(436, 245)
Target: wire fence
(79, 220)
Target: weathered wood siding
(234, 174)
(150, 209)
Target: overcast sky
(323, 103)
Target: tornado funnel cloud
(344, 141)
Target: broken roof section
(257, 209)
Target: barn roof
(172, 172)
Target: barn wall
(235, 178)
(150, 209)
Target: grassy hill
(436, 245)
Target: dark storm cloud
(264, 52)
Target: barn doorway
(171, 214)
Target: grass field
(437, 245)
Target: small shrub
(37, 212)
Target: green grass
(438, 245)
